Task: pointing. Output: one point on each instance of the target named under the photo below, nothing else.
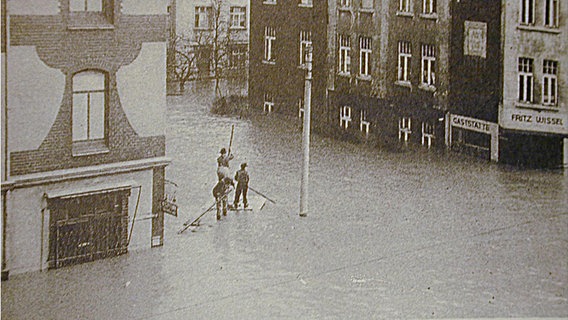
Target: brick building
(280, 33)
(83, 130)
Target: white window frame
(268, 103)
(365, 52)
(428, 6)
(404, 6)
(550, 12)
(428, 73)
(344, 116)
(238, 17)
(345, 3)
(269, 41)
(238, 57)
(550, 83)
(526, 79)
(404, 59)
(305, 3)
(305, 42)
(269, 2)
(202, 17)
(526, 12)
(427, 134)
(404, 128)
(86, 5)
(301, 108)
(344, 54)
(364, 124)
(89, 106)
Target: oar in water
(187, 224)
(262, 195)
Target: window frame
(428, 65)
(305, 42)
(550, 13)
(268, 106)
(429, 7)
(549, 83)
(527, 12)
(404, 55)
(365, 54)
(202, 13)
(269, 42)
(404, 6)
(344, 58)
(364, 123)
(345, 116)
(525, 80)
(240, 17)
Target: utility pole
(306, 134)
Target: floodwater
(406, 234)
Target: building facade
(83, 130)
(533, 113)
(217, 32)
(281, 32)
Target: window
(364, 125)
(89, 106)
(404, 5)
(269, 39)
(268, 102)
(527, 12)
(306, 3)
(238, 57)
(549, 82)
(404, 129)
(301, 108)
(551, 13)
(427, 134)
(404, 56)
(525, 80)
(305, 42)
(365, 56)
(367, 4)
(344, 117)
(344, 54)
(86, 5)
(202, 15)
(269, 2)
(238, 17)
(428, 65)
(345, 3)
(429, 6)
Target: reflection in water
(389, 235)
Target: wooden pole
(306, 135)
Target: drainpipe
(5, 175)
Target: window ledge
(364, 77)
(238, 28)
(90, 27)
(430, 16)
(269, 2)
(268, 61)
(427, 87)
(406, 14)
(538, 107)
(305, 5)
(525, 27)
(367, 10)
(344, 8)
(401, 83)
(89, 148)
(344, 74)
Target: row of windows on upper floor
(428, 66)
(205, 17)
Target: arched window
(89, 106)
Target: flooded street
(416, 234)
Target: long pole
(306, 135)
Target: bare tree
(182, 68)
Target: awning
(67, 193)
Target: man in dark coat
(221, 192)
(242, 178)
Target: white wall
(34, 97)
(138, 7)
(142, 90)
(32, 7)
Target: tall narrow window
(238, 17)
(525, 79)
(404, 129)
(202, 17)
(344, 54)
(364, 124)
(404, 56)
(428, 65)
(89, 106)
(305, 42)
(268, 102)
(86, 5)
(344, 116)
(269, 40)
(404, 5)
(527, 12)
(549, 82)
(301, 108)
(365, 46)
(345, 3)
(551, 13)
(429, 6)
